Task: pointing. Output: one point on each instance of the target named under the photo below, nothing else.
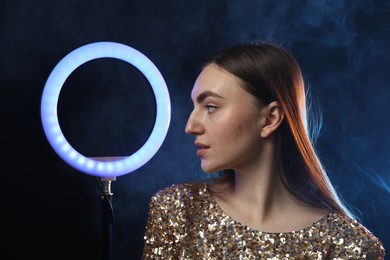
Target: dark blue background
(106, 107)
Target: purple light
(51, 94)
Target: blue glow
(52, 90)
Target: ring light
(51, 94)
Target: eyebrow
(202, 96)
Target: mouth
(201, 148)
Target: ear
(272, 118)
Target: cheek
(242, 130)
(249, 128)
(239, 131)
(238, 124)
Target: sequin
(185, 222)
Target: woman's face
(226, 121)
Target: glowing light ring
(51, 94)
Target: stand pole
(107, 217)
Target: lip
(201, 148)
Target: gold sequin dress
(185, 222)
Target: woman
(274, 199)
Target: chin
(206, 169)
(210, 169)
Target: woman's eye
(211, 108)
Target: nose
(193, 126)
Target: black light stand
(107, 216)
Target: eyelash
(210, 107)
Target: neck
(258, 191)
(261, 193)
(260, 200)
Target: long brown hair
(270, 73)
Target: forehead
(216, 80)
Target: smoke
(107, 107)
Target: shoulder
(179, 195)
(180, 190)
(351, 235)
(350, 227)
